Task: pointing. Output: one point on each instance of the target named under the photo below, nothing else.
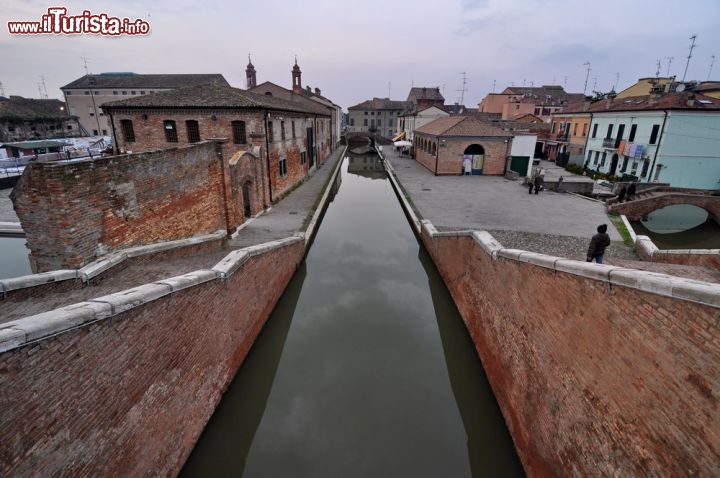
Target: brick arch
(245, 185)
(639, 209)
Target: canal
(365, 367)
(681, 226)
(14, 260)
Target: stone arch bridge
(654, 198)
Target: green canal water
(365, 368)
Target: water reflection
(681, 226)
(14, 260)
(365, 384)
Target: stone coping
(705, 293)
(313, 224)
(30, 329)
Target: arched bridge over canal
(652, 199)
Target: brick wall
(451, 156)
(130, 395)
(74, 212)
(593, 378)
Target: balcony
(609, 143)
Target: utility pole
(669, 59)
(587, 75)
(712, 62)
(692, 46)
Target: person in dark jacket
(630, 192)
(598, 243)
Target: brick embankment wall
(101, 205)
(648, 251)
(599, 371)
(128, 392)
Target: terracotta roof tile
(134, 80)
(461, 126)
(380, 104)
(212, 96)
(685, 100)
(19, 108)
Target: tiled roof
(134, 80)
(380, 104)
(424, 93)
(212, 96)
(461, 126)
(685, 100)
(290, 95)
(19, 108)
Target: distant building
(566, 140)
(85, 96)
(442, 145)
(415, 118)
(379, 115)
(23, 119)
(273, 142)
(424, 97)
(662, 137)
(514, 102)
(303, 96)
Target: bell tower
(296, 77)
(250, 74)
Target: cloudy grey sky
(356, 50)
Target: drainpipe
(657, 147)
(267, 156)
(116, 146)
(437, 155)
(587, 138)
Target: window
(292, 126)
(365, 123)
(379, 123)
(238, 129)
(282, 131)
(654, 133)
(283, 167)
(366, 113)
(352, 121)
(609, 133)
(126, 127)
(602, 159)
(391, 122)
(68, 92)
(142, 92)
(594, 134)
(87, 92)
(97, 92)
(575, 129)
(193, 131)
(124, 92)
(597, 157)
(624, 165)
(633, 130)
(303, 157)
(552, 127)
(170, 131)
(271, 132)
(104, 132)
(132, 93)
(115, 92)
(95, 132)
(646, 166)
(585, 126)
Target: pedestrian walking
(560, 181)
(538, 183)
(598, 244)
(622, 193)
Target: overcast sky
(356, 50)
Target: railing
(609, 143)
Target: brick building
(441, 146)
(275, 143)
(514, 102)
(23, 119)
(86, 95)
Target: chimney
(691, 100)
(317, 91)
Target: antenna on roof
(463, 89)
(493, 90)
(2, 89)
(587, 75)
(39, 90)
(594, 83)
(565, 78)
(44, 87)
(85, 60)
(669, 59)
(389, 88)
(617, 79)
(692, 46)
(712, 62)
(657, 72)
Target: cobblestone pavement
(550, 223)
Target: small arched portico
(476, 154)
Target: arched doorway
(476, 153)
(247, 202)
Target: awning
(402, 144)
(399, 137)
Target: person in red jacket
(598, 244)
